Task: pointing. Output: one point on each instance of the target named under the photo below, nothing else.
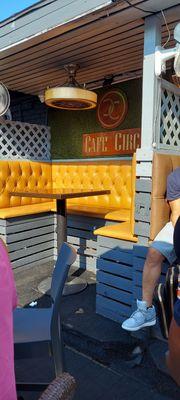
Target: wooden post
(151, 103)
(151, 84)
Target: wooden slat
(112, 309)
(82, 241)
(114, 294)
(28, 218)
(31, 242)
(116, 255)
(35, 233)
(122, 44)
(44, 256)
(114, 281)
(84, 223)
(27, 251)
(76, 44)
(142, 229)
(75, 52)
(97, 73)
(143, 185)
(79, 233)
(83, 59)
(114, 268)
(28, 226)
(126, 58)
(110, 243)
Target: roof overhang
(103, 37)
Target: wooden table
(60, 195)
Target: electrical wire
(167, 27)
(139, 8)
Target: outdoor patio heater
(71, 95)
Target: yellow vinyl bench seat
(12, 212)
(100, 212)
(119, 215)
(120, 231)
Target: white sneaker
(140, 318)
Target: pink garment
(8, 301)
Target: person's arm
(175, 210)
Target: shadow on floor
(98, 351)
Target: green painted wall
(67, 127)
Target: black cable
(138, 8)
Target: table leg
(61, 222)
(73, 284)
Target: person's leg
(161, 248)
(151, 274)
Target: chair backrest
(66, 257)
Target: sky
(10, 7)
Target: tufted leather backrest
(107, 174)
(22, 175)
(116, 175)
(163, 165)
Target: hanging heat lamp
(71, 95)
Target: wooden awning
(105, 39)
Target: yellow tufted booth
(116, 175)
(22, 175)
(113, 175)
(123, 230)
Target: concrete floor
(98, 353)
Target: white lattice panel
(170, 117)
(22, 140)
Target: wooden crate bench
(93, 212)
(114, 297)
(119, 278)
(26, 224)
(30, 239)
(139, 256)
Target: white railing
(168, 134)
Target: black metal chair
(39, 329)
